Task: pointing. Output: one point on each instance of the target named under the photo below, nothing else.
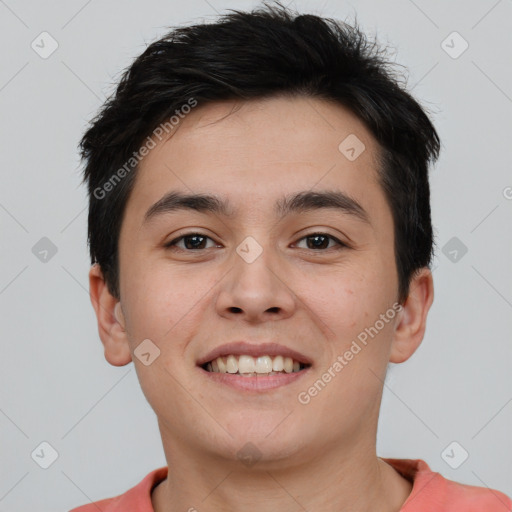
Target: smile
(249, 366)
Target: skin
(319, 456)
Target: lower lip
(258, 383)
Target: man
(260, 229)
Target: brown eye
(192, 242)
(319, 241)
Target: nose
(256, 291)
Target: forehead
(287, 128)
(250, 152)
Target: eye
(192, 241)
(318, 241)
(196, 241)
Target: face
(263, 271)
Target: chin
(266, 438)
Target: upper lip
(254, 350)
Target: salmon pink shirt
(431, 492)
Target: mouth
(254, 367)
(249, 366)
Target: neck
(329, 481)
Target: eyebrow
(294, 203)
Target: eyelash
(172, 243)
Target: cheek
(351, 308)
(166, 309)
(161, 297)
(350, 296)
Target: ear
(111, 323)
(412, 319)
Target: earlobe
(111, 321)
(411, 320)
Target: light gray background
(56, 385)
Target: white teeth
(249, 366)
(263, 364)
(277, 364)
(246, 364)
(221, 364)
(231, 364)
